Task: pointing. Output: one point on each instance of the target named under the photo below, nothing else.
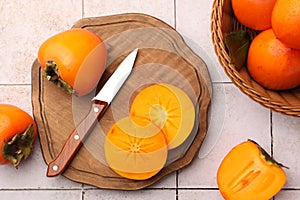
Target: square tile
(286, 141)
(24, 26)
(17, 95)
(31, 174)
(122, 195)
(199, 195)
(163, 10)
(168, 181)
(288, 194)
(244, 119)
(40, 194)
(193, 23)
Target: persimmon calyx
(267, 157)
(19, 147)
(52, 74)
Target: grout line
(82, 9)
(177, 184)
(147, 188)
(212, 189)
(84, 190)
(16, 84)
(271, 132)
(40, 189)
(82, 193)
(291, 189)
(175, 15)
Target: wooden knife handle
(76, 138)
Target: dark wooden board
(163, 58)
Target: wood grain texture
(76, 139)
(163, 58)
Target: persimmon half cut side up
(168, 107)
(132, 156)
(247, 172)
(161, 118)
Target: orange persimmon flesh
(248, 172)
(166, 106)
(132, 154)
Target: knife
(99, 105)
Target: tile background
(233, 116)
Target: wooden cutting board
(163, 58)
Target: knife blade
(99, 105)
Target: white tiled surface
(233, 116)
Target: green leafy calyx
(19, 147)
(52, 74)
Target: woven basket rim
(234, 75)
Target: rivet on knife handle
(76, 138)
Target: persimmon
(286, 22)
(74, 59)
(17, 134)
(166, 106)
(248, 172)
(255, 14)
(132, 154)
(272, 64)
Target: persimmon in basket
(255, 14)
(272, 64)
(286, 22)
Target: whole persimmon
(17, 134)
(286, 22)
(74, 60)
(255, 14)
(272, 64)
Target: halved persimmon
(166, 106)
(248, 172)
(133, 155)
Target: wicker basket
(224, 22)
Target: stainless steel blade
(117, 79)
